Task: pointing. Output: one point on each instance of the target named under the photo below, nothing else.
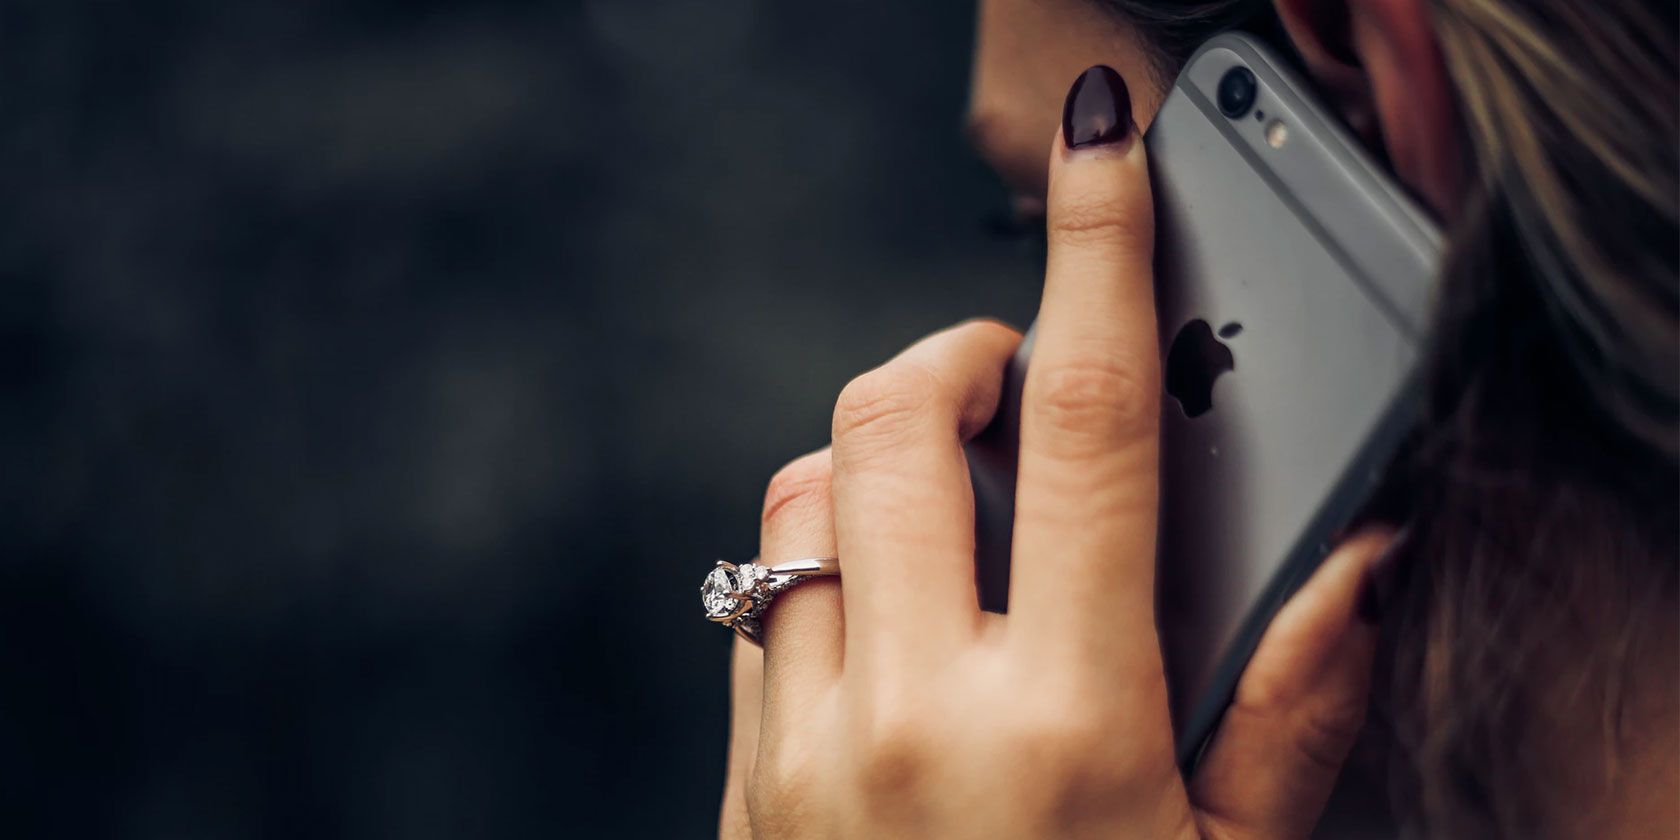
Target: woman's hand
(886, 704)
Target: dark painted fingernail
(1098, 110)
(1381, 580)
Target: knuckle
(884, 404)
(1102, 219)
(1097, 400)
(988, 330)
(1320, 730)
(895, 753)
(1262, 697)
(1324, 732)
(800, 485)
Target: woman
(1521, 634)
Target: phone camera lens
(1236, 92)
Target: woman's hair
(1543, 478)
(1541, 484)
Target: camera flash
(1277, 134)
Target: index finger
(1084, 548)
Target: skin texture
(885, 704)
(890, 706)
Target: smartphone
(1293, 282)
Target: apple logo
(1197, 358)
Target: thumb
(1299, 705)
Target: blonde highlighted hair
(1543, 479)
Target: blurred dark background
(380, 378)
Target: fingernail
(1098, 111)
(1381, 579)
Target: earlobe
(1379, 63)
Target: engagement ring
(736, 596)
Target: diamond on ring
(737, 595)
(721, 594)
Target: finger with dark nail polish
(1098, 111)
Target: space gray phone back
(1314, 271)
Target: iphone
(1293, 282)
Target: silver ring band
(736, 596)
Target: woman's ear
(1379, 63)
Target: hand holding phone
(1292, 285)
(900, 709)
